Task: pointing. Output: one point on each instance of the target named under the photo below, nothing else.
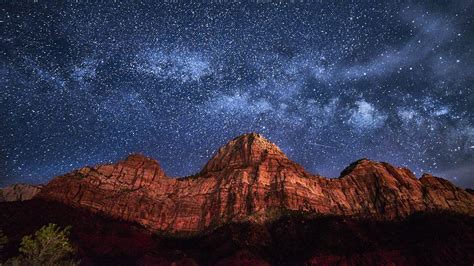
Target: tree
(49, 246)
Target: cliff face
(250, 179)
(18, 192)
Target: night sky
(83, 84)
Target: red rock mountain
(250, 179)
(19, 192)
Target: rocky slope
(250, 179)
(18, 192)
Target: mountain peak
(243, 151)
(255, 140)
(137, 157)
(365, 166)
(139, 160)
(364, 162)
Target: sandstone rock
(19, 192)
(250, 179)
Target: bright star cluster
(86, 83)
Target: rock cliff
(250, 179)
(18, 192)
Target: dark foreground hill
(293, 238)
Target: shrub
(48, 246)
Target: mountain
(250, 179)
(249, 205)
(19, 192)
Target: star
(329, 83)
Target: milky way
(83, 84)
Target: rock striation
(250, 179)
(18, 192)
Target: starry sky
(85, 83)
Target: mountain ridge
(250, 178)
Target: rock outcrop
(250, 179)
(19, 192)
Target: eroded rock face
(18, 192)
(250, 179)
